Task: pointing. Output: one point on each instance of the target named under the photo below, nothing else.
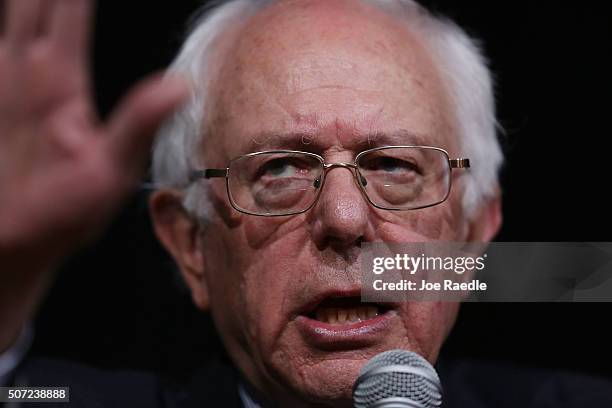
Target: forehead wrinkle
(336, 87)
(315, 142)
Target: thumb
(133, 124)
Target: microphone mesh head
(422, 387)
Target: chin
(328, 382)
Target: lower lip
(345, 336)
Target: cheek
(252, 289)
(275, 280)
(222, 279)
(260, 232)
(439, 223)
(267, 290)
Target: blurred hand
(62, 171)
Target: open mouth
(341, 321)
(345, 310)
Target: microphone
(397, 379)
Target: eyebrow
(312, 142)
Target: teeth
(333, 315)
(341, 315)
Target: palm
(62, 172)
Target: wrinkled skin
(333, 78)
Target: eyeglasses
(288, 182)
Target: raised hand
(62, 171)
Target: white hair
(457, 56)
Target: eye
(390, 165)
(278, 167)
(281, 168)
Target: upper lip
(310, 306)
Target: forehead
(325, 74)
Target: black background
(117, 303)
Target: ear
(485, 224)
(180, 234)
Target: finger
(2, 17)
(70, 26)
(22, 20)
(134, 123)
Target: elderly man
(297, 117)
(338, 80)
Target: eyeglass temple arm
(459, 163)
(208, 173)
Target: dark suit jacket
(466, 384)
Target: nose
(340, 216)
